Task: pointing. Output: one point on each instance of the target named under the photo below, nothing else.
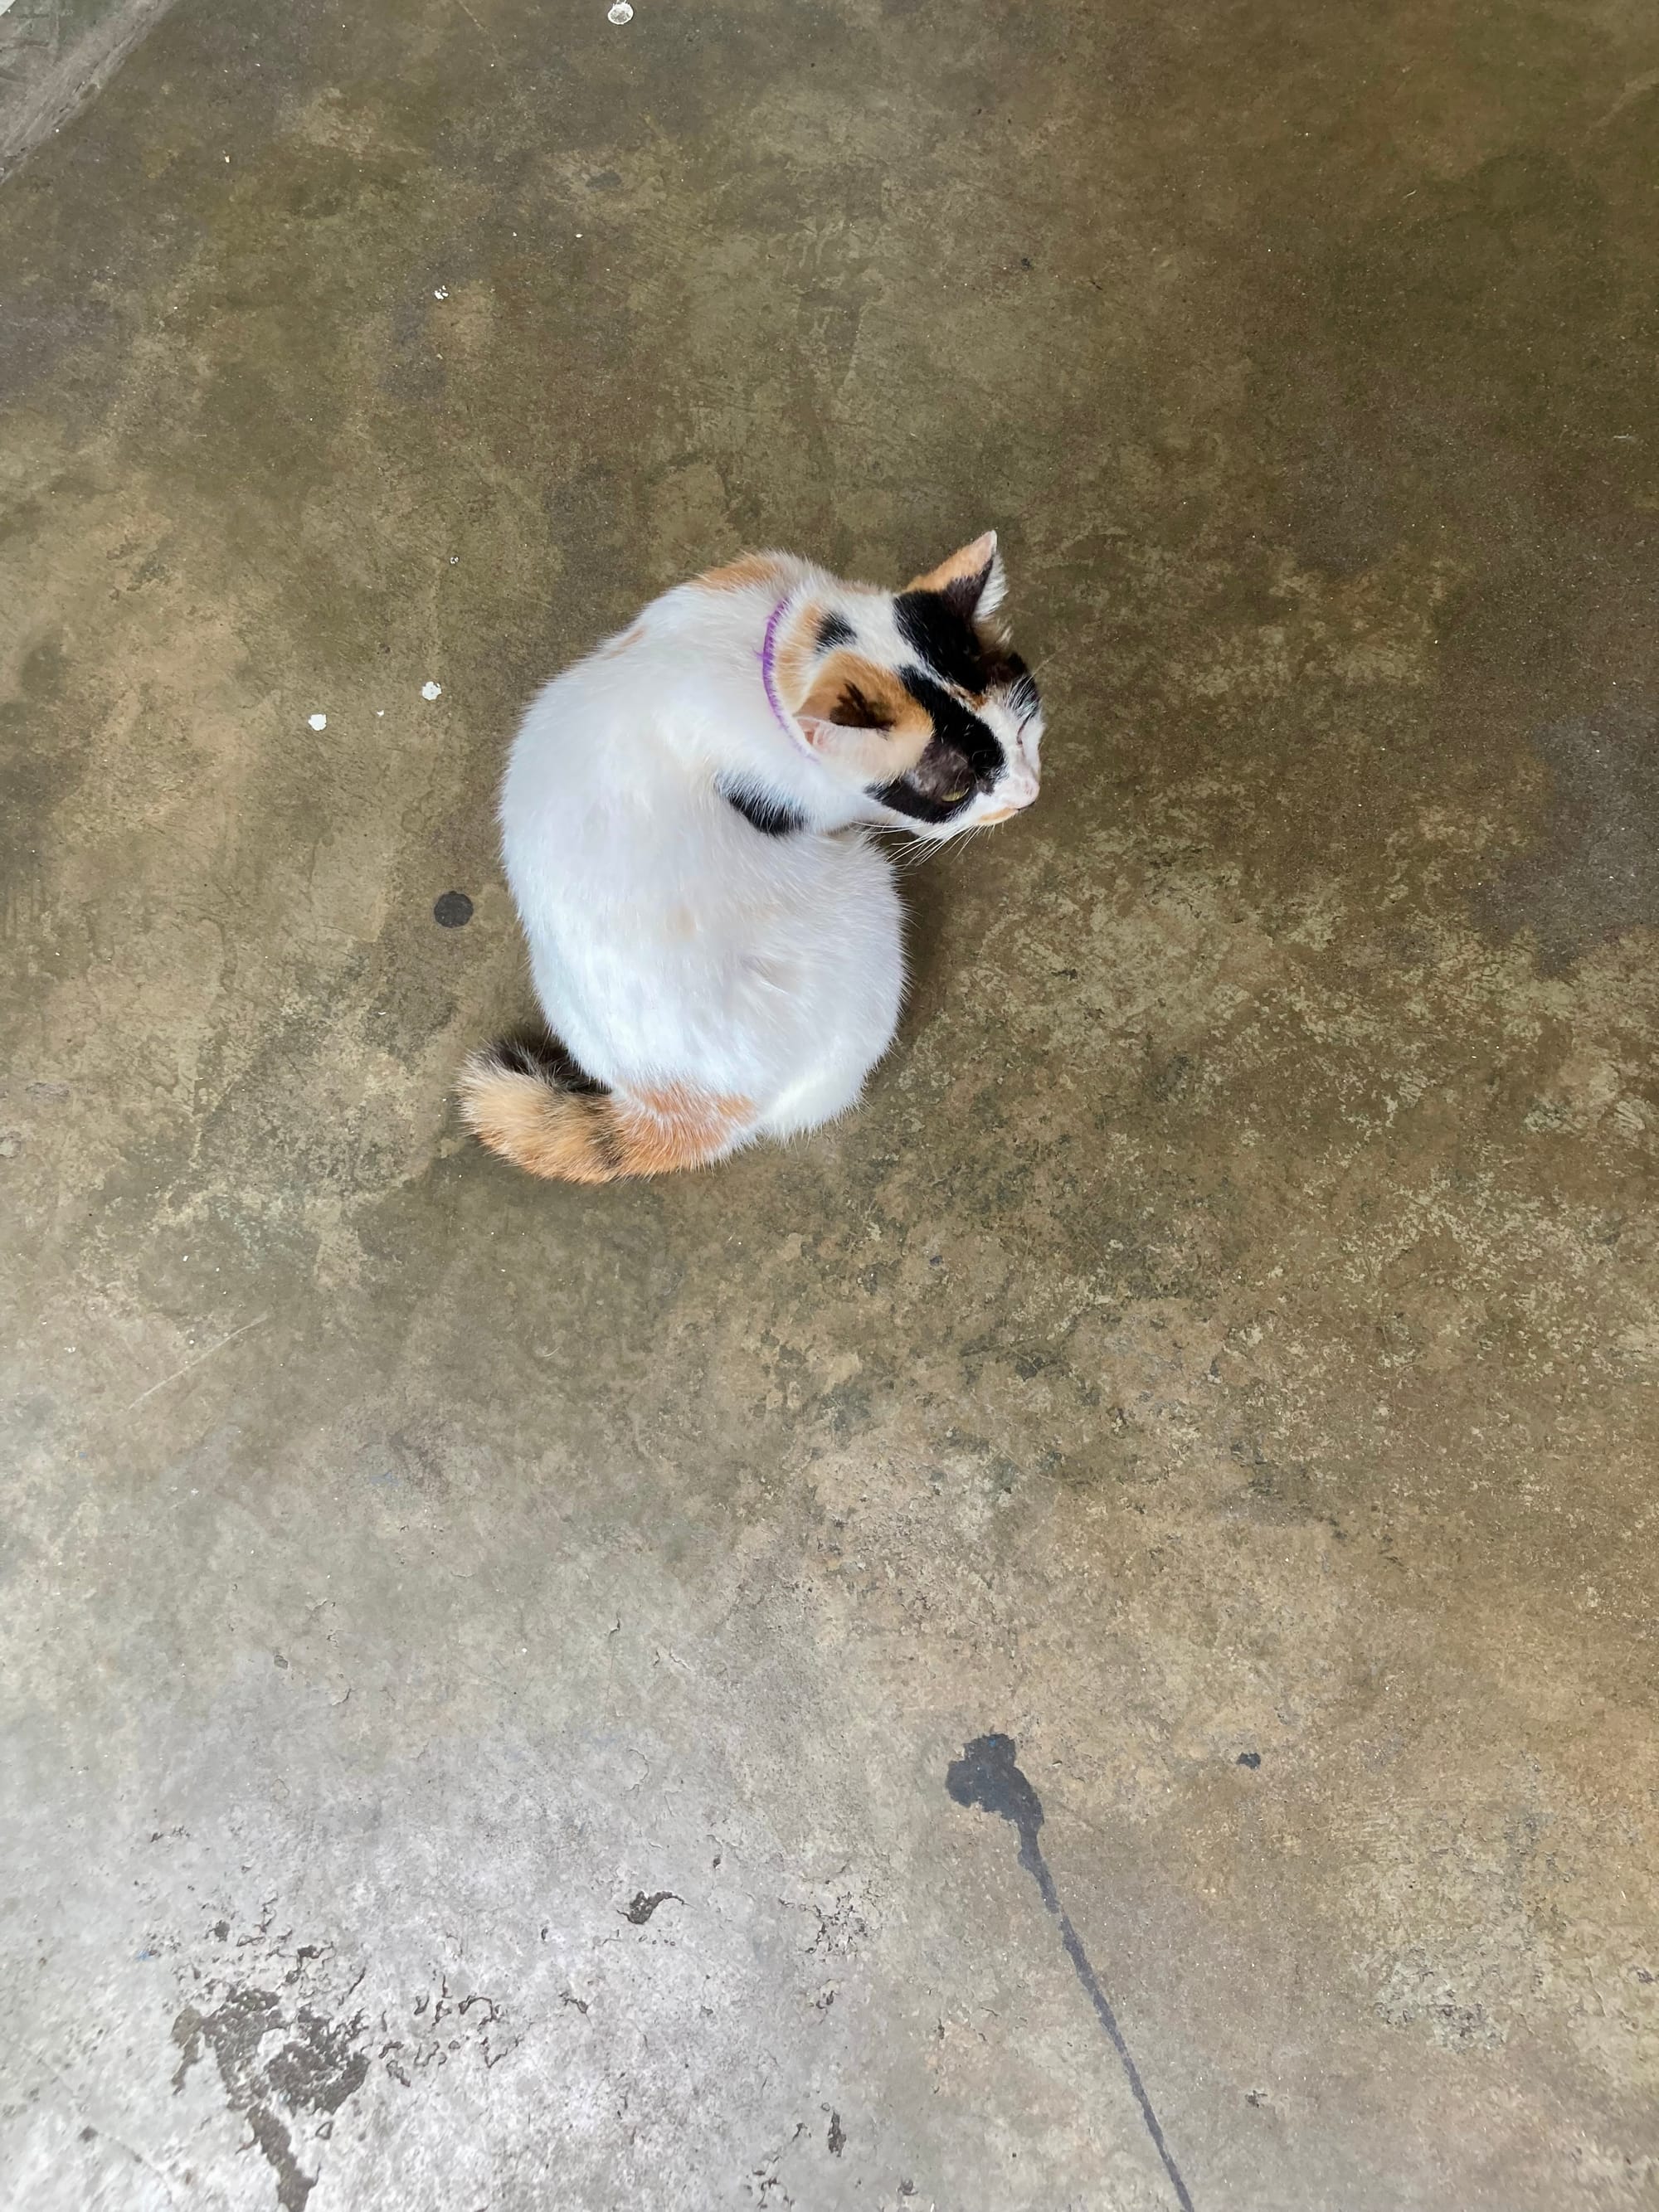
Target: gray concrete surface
(56, 55)
(1221, 1357)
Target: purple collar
(769, 678)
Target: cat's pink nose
(1018, 792)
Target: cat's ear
(853, 716)
(858, 719)
(972, 581)
(864, 754)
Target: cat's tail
(544, 1117)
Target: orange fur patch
(556, 1133)
(738, 575)
(895, 749)
(620, 644)
(572, 1137)
(793, 652)
(968, 562)
(655, 1132)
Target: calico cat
(714, 939)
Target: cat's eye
(951, 797)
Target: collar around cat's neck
(785, 722)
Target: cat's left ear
(972, 580)
(864, 755)
(864, 723)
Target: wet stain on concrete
(989, 1778)
(319, 2063)
(293, 2042)
(641, 1907)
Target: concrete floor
(1222, 1356)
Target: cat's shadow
(926, 890)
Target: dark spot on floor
(987, 1776)
(641, 1908)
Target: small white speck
(619, 12)
(442, 292)
(317, 721)
(430, 690)
(454, 560)
(227, 157)
(379, 714)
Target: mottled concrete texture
(1220, 1358)
(55, 55)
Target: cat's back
(610, 806)
(594, 785)
(594, 723)
(633, 714)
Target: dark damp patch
(452, 911)
(321, 2063)
(642, 1907)
(989, 1778)
(763, 810)
(834, 630)
(1594, 871)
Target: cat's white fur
(672, 944)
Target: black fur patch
(548, 1061)
(855, 712)
(764, 811)
(834, 630)
(963, 752)
(934, 625)
(906, 796)
(958, 726)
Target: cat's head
(915, 696)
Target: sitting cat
(714, 941)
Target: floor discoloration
(55, 56)
(1592, 875)
(1221, 1353)
(989, 1778)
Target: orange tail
(518, 1108)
